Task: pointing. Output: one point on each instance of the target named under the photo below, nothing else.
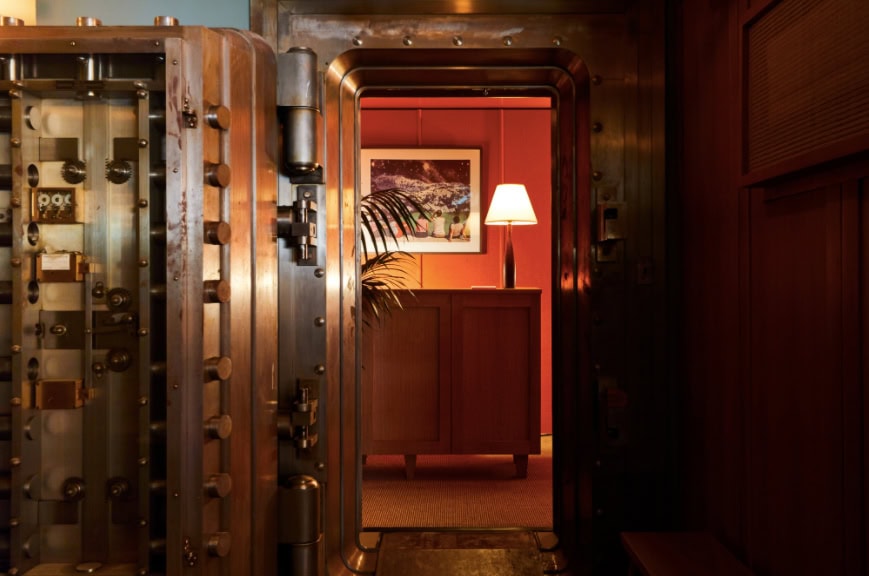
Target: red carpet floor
(467, 491)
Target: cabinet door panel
(405, 374)
(496, 373)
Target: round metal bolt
(143, 522)
(156, 43)
(174, 62)
(72, 43)
(596, 80)
(407, 41)
(15, 462)
(321, 466)
(16, 348)
(139, 84)
(319, 321)
(176, 494)
(143, 400)
(142, 332)
(319, 369)
(357, 41)
(556, 41)
(142, 94)
(15, 262)
(143, 143)
(143, 203)
(15, 202)
(457, 41)
(143, 263)
(143, 461)
(15, 401)
(13, 522)
(319, 272)
(15, 142)
(15, 94)
(597, 175)
(596, 127)
(508, 40)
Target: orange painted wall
(515, 147)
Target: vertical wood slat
(853, 413)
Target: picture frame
(446, 181)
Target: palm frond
(381, 275)
(382, 211)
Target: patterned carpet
(458, 492)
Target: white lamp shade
(510, 205)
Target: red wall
(515, 147)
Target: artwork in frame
(445, 181)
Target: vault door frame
(554, 72)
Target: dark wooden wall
(769, 204)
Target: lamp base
(509, 261)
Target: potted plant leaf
(386, 216)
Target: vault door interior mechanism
(128, 335)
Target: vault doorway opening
(552, 73)
(410, 417)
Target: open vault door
(137, 286)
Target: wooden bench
(679, 554)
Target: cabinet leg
(521, 463)
(410, 466)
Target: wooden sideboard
(454, 372)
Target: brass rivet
(319, 272)
(142, 94)
(16, 348)
(15, 202)
(15, 401)
(143, 522)
(143, 461)
(357, 41)
(72, 43)
(15, 94)
(597, 175)
(143, 401)
(13, 522)
(142, 332)
(15, 462)
(143, 203)
(143, 263)
(508, 40)
(143, 143)
(319, 321)
(15, 142)
(15, 262)
(457, 41)
(407, 41)
(319, 369)
(556, 41)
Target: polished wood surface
(679, 554)
(454, 371)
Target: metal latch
(297, 224)
(298, 425)
(188, 114)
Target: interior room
(512, 136)
(652, 362)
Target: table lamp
(510, 205)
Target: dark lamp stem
(509, 262)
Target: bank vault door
(132, 359)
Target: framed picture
(445, 181)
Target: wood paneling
(795, 409)
(773, 316)
(806, 85)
